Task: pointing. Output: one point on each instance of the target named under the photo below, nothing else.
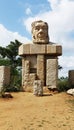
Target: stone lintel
(37, 49)
(30, 49)
(24, 49)
(54, 50)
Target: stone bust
(40, 32)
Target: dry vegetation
(28, 112)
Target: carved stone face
(40, 32)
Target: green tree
(9, 56)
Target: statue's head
(40, 32)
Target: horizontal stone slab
(54, 50)
(32, 49)
(24, 49)
(29, 49)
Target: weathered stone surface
(37, 49)
(40, 32)
(40, 57)
(51, 73)
(24, 49)
(29, 49)
(27, 67)
(4, 76)
(41, 68)
(54, 50)
(71, 77)
(23, 70)
(7, 95)
(70, 91)
(28, 80)
(32, 59)
(37, 88)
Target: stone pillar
(71, 77)
(25, 69)
(4, 76)
(51, 73)
(41, 68)
(38, 88)
(27, 77)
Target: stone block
(59, 50)
(37, 49)
(71, 77)
(27, 67)
(4, 76)
(28, 80)
(37, 88)
(54, 50)
(32, 59)
(29, 49)
(24, 49)
(41, 68)
(51, 73)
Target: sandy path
(28, 112)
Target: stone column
(40, 68)
(51, 73)
(71, 77)
(25, 69)
(4, 76)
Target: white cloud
(54, 3)
(61, 24)
(67, 63)
(28, 11)
(6, 36)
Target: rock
(70, 91)
(38, 88)
(7, 95)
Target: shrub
(63, 84)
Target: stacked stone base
(39, 64)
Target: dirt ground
(26, 111)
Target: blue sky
(16, 17)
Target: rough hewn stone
(4, 76)
(27, 67)
(37, 49)
(52, 73)
(28, 80)
(71, 77)
(37, 88)
(32, 59)
(29, 49)
(70, 91)
(53, 50)
(24, 49)
(41, 68)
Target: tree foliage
(9, 56)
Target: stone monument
(71, 78)
(4, 76)
(40, 59)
